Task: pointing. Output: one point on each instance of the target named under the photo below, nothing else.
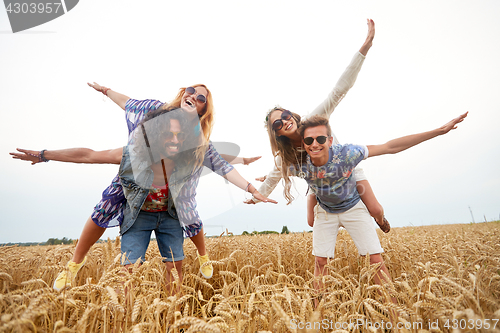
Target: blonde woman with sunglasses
(109, 210)
(158, 168)
(286, 144)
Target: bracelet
(246, 190)
(42, 157)
(35, 155)
(248, 186)
(105, 90)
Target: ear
(330, 140)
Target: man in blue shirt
(328, 172)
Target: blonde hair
(207, 116)
(281, 146)
(206, 119)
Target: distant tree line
(266, 232)
(50, 241)
(57, 241)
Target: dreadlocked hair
(153, 133)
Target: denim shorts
(168, 234)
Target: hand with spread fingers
(32, 156)
(262, 198)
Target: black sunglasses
(278, 123)
(321, 139)
(200, 98)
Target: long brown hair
(281, 146)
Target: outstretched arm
(234, 177)
(239, 160)
(72, 155)
(400, 144)
(116, 97)
(269, 182)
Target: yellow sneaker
(207, 271)
(65, 278)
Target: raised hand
(369, 38)
(371, 31)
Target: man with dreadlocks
(159, 172)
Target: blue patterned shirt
(333, 183)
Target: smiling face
(190, 103)
(319, 153)
(289, 126)
(173, 139)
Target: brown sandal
(384, 226)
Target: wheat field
(445, 279)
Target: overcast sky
(430, 62)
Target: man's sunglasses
(321, 139)
(278, 123)
(181, 136)
(200, 98)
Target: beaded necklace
(301, 173)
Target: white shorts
(358, 223)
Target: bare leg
(199, 242)
(368, 197)
(379, 278)
(170, 277)
(319, 271)
(311, 202)
(206, 270)
(90, 234)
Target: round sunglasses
(321, 139)
(200, 98)
(278, 123)
(181, 136)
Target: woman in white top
(286, 143)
